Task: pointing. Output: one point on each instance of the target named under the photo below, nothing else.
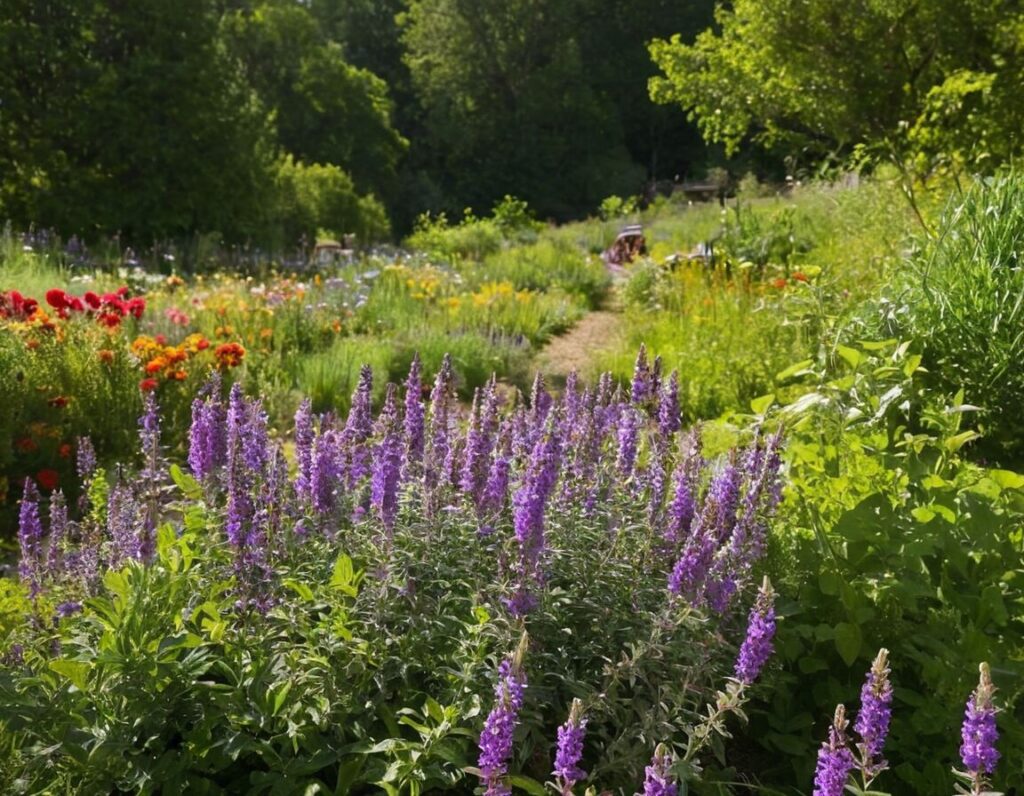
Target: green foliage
(314, 198)
(962, 296)
(892, 538)
(898, 77)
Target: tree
(325, 110)
(896, 78)
(127, 117)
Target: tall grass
(962, 296)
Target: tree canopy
(936, 80)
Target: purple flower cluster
(872, 724)
(979, 733)
(757, 646)
(30, 538)
(497, 737)
(658, 780)
(569, 751)
(835, 760)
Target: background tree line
(264, 121)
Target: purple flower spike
(85, 458)
(414, 418)
(387, 463)
(640, 388)
(628, 434)
(58, 532)
(304, 436)
(669, 421)
(358, 428)
(979, 732)
(757, 646)
(835, 760)
(570, 749)
(872, 725)
(497, 737)
(657, 779)
(30, 538)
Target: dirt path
(577, 348)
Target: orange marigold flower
(177, 375)
(48, 479)
(156, 365)
(779, 283)
(106, 355)
(800, 276)
(148, 384)
(229, 355)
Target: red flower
(203, 344)
(800, 276)
(779, 283)
(48, 479)
(75, 303)
(161, 339)
(123, 290)
(110, 319)
(92, 299)
(65, 450)
(26, 445)
(148, 384)
(106, 355)
(60, 401)
(57, 298)
(136, 307)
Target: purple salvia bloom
(757, 646)
(151, 475)
(571, 400)
(835, 760)
(30, 538)
(439, 440)
(570, 749)
(255, 441)
(240, 508)
(540, 403)
(655, 387)
(358, 428)
(658, 780)
(685, 487)
(872, 725)
(495, 494)
(304, 436)
(628, 436)
(326, 472)
(640, 387)
(656, 477)
(58, 533)
(498, 733)
(979, 733)
(85, 458)
(387, 463)
(479, 443)
(529, 505)
(275, 493)
(414, 418)
(200, 439)
(605, 390)
(669, 420)
(67, 609)
(122, 511)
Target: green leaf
(851, 356)
(75, 671)
(1007, 479)
(528, 784)
(279, 695)
(188, 485)
(797, 369)
(955, 443)
(848, 642)
(760, 405)
(300, 589)
(343, 576)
